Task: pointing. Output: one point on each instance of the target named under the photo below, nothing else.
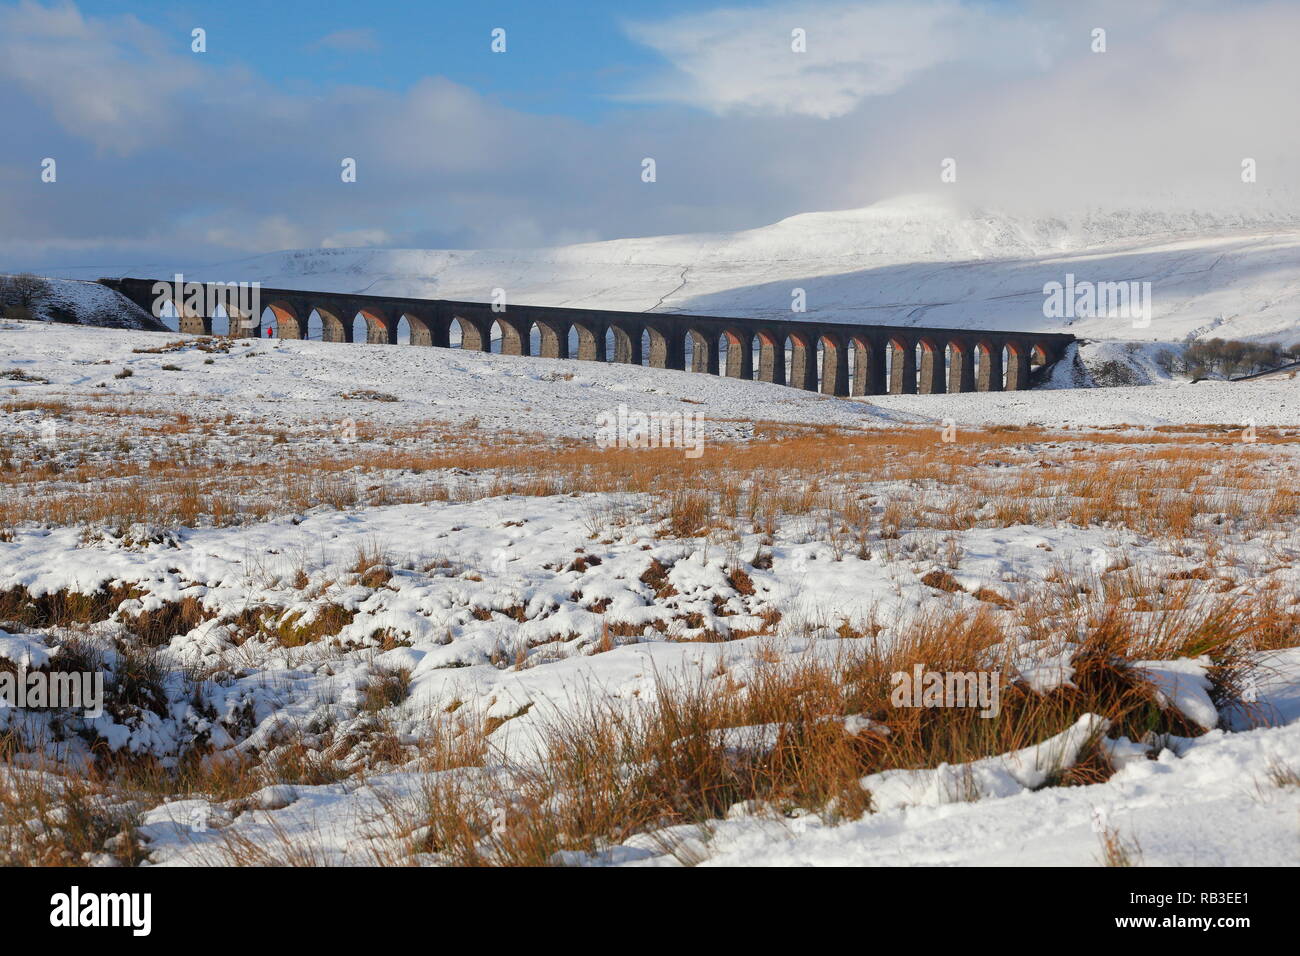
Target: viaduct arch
(838, 359)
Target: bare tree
(26, 288)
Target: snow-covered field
(303, 379)
(1226, 403)
(306, 379)
(345, 596)
(1206, 801)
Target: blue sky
(167, 156)
(563, 57)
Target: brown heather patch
(63, 821)
(656, 577)
(157, 627)
(941, 580)
(271, 624)
(613, 769)
(172, 471)
(64, 608)
(992, 597)
(740, 580)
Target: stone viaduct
(835, 358)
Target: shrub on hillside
(20, 313)
(1225, 358)
(23, 289)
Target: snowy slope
(558, 396)
(910, 261)
(307, 379)
(89, 303)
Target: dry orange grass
(177, 470)
(612, 770)
(63, 820)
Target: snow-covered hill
(304, 380)
(87, 303)
(911, 261)
(400, 386)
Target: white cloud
(355, 40)
(266, 234)
(357, 238)
(157, 166)
(106, 80)
(743, 60)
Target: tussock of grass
(387, 688)
(703, 745)
(1116, 850)
(62, 608)
(1283, 775)
(64, 821)
(156, 627)
(774, 738)
(296, 629)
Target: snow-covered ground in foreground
(477, 586)
(482, 582)
(1205, 801)
(921, 260)
(300, 379)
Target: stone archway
(835, 364)
(739, 353)
(932, 369)
(988, 374)
(771, 357)
(590, 341)
(869, 376)
(902, 366)
(803, 361)
(702, 350)
(627, 344)
(961, 366)
(473, 338)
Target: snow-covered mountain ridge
(910, 261)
